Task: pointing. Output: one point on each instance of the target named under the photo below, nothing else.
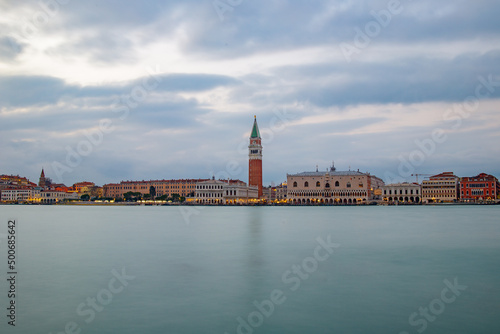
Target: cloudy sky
(113, 90)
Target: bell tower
(42, 182)
(255, 158)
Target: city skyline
(161, 90)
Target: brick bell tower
(255, 158)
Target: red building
(479, 188)
(255, 158)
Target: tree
(132, 196)
(152, 192)
(85, 197)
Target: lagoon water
(247, 270)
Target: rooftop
(331, 173)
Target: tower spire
(255, 129)
(42, 182)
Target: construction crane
(417, 175)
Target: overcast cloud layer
(106, 91)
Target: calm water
(254, 269)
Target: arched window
(327, 185)
(337, 184)
(306, 184)
(348, 184)
(318, 184)
(295, 184)
(361, 184)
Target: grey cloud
(101, 47)
(180, 82)
(271, 25)
(10, 48)
(40, 90)
(31, 90)
(412, 80)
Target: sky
(106, 91)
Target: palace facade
(332, 187)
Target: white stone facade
(224, 192)
(402, 193)
(17, 195)
(53, 196)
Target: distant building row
(349, 187)
(445, 187)
(14, 188)
(306, 188)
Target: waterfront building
(440, 188)
(255, 158)
(281, 190)
(14, 188)
(87, 188)
(483, 187)
(14, 180)
(35, 195)
(83, 187)
(402, 193)
(183, 187)
(20, 194)
(269, 194)
(56, 196)
(224, 192)
(240, 193)
(96, 192)
(332, 187)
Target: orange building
(479, 188)
(83, 187)
(15, 180)
(255, 158)
(183, 187)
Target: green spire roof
(255, 129)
